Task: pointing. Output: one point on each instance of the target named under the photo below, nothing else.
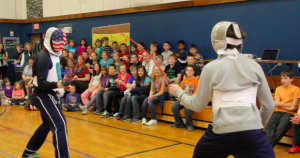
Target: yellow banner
(112, 37)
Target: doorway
(34, 38)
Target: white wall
(116, 4)
(17, 9)
(51, 8)
(138, 3)
(21, 9)
(172, 1)
(69, 7)
(7, 9)
(92, 6)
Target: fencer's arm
(42, 64)
(265, 98)
(203, 95)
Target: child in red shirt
(140, 51)
(123, 51)
(126, 60)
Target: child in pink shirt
(18, 95)
(82, 47)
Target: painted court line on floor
(130, 131)
(86, 155)
(149, 150)
(6, 154)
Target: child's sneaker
(105, 114)
(91, 109)
(97, 112)
(22, 103)
(125, 119)
(190, 128)
(119, 117)
(144, 121)
(177, 126)
(135, 120)
(26, 97)
(84, 111)
(151, 122)
(34, 155)
(294, 149)
(114, 115)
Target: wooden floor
(93, 136)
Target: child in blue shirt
(72, 100)
(72, 48)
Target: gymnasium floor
(93, 136)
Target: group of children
(14, 95)
(132, 77)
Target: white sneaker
(84, 111)
(105, 114)
(144, 121)
(26, 97)
(115, 115)
(151, 122)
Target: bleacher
(203, 119)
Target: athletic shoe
(105, 114)
(26, 97)
(190, 128)
(82, 108)
(91, 109)
(294, 149)
(177, 126)
(119, 117)
(125, 119)
(114, 115)
(97, 112)
(34, 155)
(22, 103)
(84, 111)
(151, 122)
(144, 121)
(135, 120)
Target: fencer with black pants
(45, 97)
(236, 81)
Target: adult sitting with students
(27, 73)
(148, 63)
(3, 61)
(23, 55)
(82, 76)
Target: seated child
(182, 54)
(159, 59)
(18, 95)
(156, 95)
(189, 85)
(126, 100)
(72, 100)
(103, 81)
(7, 91)
(123, 51)
(167, 52)
(93, 85)
(133, 49)
(198, 57)
(173, 70)
(122, 85)
(126, 60)
(191, 62)
(286, 103)
(153, 49)
(109, 90)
